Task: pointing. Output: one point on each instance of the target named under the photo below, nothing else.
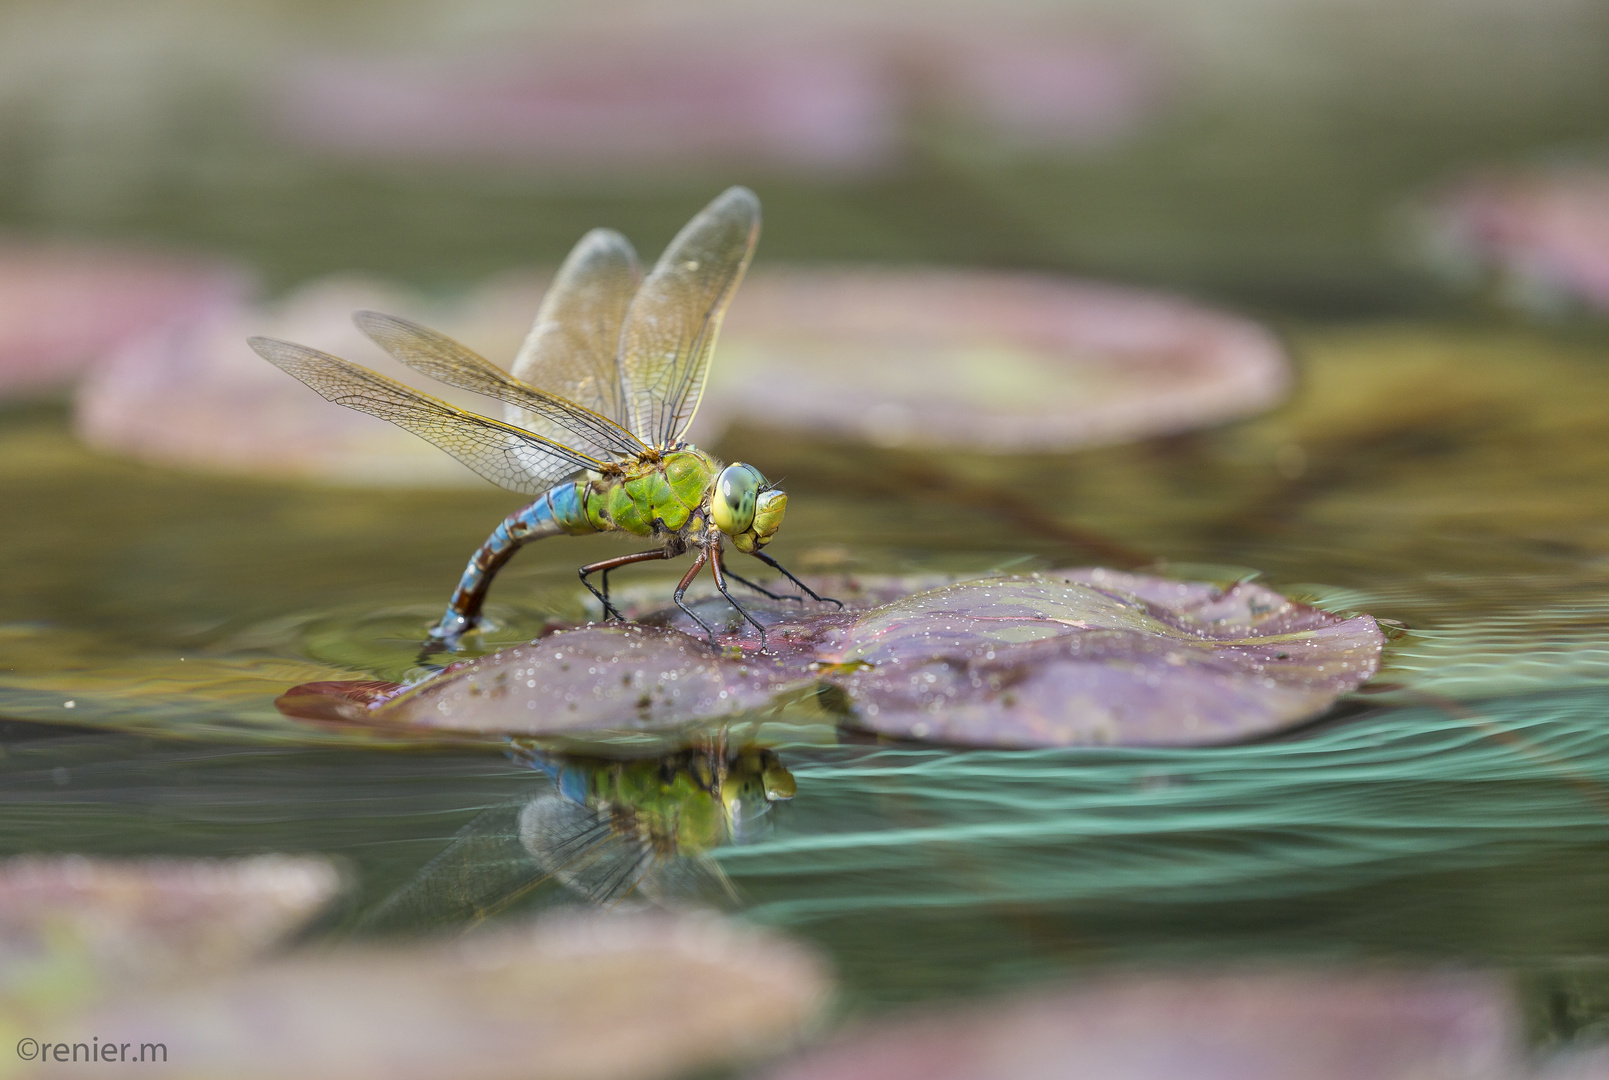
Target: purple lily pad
(62, 307)
(1542, 234)
(829, 95)
(1068, 658)
(1024, 363)
(622, 677)
(73, 927)
(633, 997)
(1008, 363)
(1099, 657)
(193, 393)
(1318, 1026)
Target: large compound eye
(735, 491)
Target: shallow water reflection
(604, 831)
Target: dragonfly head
(746, 507)
(754, 780)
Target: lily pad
(984, 361)
(62, 307)
(194, 394)
(830, 96)
(73, 927)
(1541, 235)
(628, 996)
(1008, 363)
(622, 677)
(1067, 658)
(1263, 1026)
(1099, 657)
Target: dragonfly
(607, 830)
(596, 407)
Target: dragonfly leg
(733, 574)
(610, 564)
(681, 590)
(720, 583)
(773, 564)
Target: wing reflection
(603, 830)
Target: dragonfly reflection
(604, 830)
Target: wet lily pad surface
(1098, 657)
(1067, 658)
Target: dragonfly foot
(752, 621)
(784, 571)
(691, 614)
(609, 610)
(761, 590)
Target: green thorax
(673, 809)
(651, 496)
(688, 803)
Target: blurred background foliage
(1256, 151)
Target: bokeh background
(1266, 152)
(1391, 215)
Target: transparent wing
(503, 454)
(573, 347)
(480, 873)
(671, 328)
(677, 880)
(548, 415)
(584, 849)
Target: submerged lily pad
(1066, 658)
(1317, 1025)
(629, 996)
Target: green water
(1456, 809)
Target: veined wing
(509, 851)
(481, 872)
(671, 328)
(445, 360)
(573, 348)
(606, 860)
(584, 849)
(504, 454)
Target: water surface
(1446, 476)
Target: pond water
(1447, 476)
